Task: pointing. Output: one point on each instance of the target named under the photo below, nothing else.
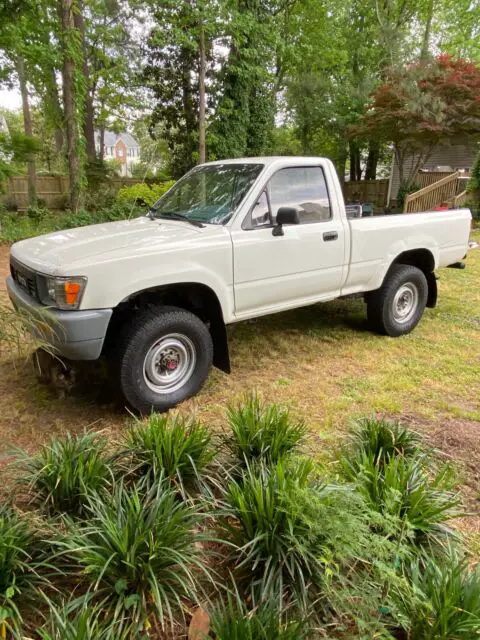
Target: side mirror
(285, 215)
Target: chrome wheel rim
(405, 302)
(169, 363)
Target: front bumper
(76, 335)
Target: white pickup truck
(231, 240)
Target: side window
(305, 189)
(260, 216)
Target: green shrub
(168, 447)
(21, 558)
(378, 439)
(37, 213)
(410, 495)
(269, 516)
(443, 601)
(138, 556)
(232, 620)
(262, 433)
(143, 194)
(404, 190)
(63, 473)
(86, 624)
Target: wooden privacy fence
(52, 191)
(372, 191)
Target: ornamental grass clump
(382, 439)
(22, 569)
(263, 433)
(231, 619)
(442, 601)
(269, 517)
(86, 624)
(137, 556)
(411, 496)
(174, 448)
(66, 471)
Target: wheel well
(422, 259)
(194, 297)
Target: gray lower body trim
(76, 335)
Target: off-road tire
(146, 329)
(383, 304)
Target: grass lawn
(325, 363)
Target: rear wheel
(397, 307)
(164, 358)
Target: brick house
(122, 147)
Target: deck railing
(460, 200)
(431, 196)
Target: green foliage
(138, 556)
(143, 194)
(269, 516)
(404, 190)
(408, 492)
(172, 447)
(86, 624)
(21, 558)
(64, 472)
(14, 227)
(262, 433)
(37, 213)
(14, 150)
(443, 600)
(370, 558)
(232, 620)
(380, 440)
(474, 188)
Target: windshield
(208, 194)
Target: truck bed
(376, 241)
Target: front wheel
(164, 359)
(397, 307)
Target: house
(458, 155)
(122, 147)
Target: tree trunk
(69, 101)
(55, 109)
(372, 160)
(201, 110)
(426, 34)
(101, 153)
(27, 124)
(355, 166)
(89, 113)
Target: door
(303, 265)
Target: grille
(25, 278)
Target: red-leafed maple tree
(421, 105)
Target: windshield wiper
(178, 216)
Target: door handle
(328, 236)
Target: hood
(55, 252)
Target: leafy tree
(421, 105)
(179, 54)
(245, 116)
(15, 149)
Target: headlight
(66, 293)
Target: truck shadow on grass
(85, 393)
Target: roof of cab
(268, 160)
